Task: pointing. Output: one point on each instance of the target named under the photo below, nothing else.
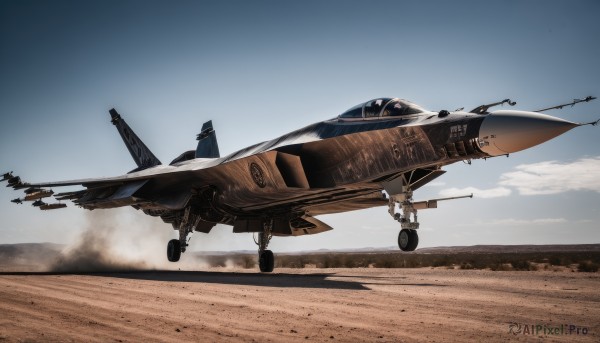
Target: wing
(106, 192)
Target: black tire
(408, 240)
(174, 250)
(266, 261)
(414, 240)
(404, 239)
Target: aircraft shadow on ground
(320, 280)
(317, 280)
(388, 281)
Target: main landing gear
(408, 239)
(176, 247)
(174, 250)
(266, 259)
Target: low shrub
(587, 267)
(466, 265)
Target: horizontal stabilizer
(207, 142)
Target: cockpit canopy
(383, 107)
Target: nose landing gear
(408, 239)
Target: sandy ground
(325, 305)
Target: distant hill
(482, 249)
(37, 257)
(35, 251)
(29, 250)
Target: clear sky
(260, 69)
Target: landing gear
(400, 193)
(408, 240)
(174, 250)
(266, 259)
(185, 226)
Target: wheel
(403, 239)
(414, 240)
(408, 240)
(174, 250)
(266, 261)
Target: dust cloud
(121, 240)
(27, 257)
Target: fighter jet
(374, 154)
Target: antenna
(573, 103)
(483, 108)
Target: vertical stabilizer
(207, 142)
(143, 157)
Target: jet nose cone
(504, 132)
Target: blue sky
(260, 69)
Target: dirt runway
(316, 305)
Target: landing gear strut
(408, 239)
(178, 246)
(400, 192)
(266, 259)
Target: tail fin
(207, 142)
(142, 156)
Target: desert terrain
(308, 304)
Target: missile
(38, 203)
(38, 194)
(52, 206)
(6, 176)
(13, 180)
(69, 195)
